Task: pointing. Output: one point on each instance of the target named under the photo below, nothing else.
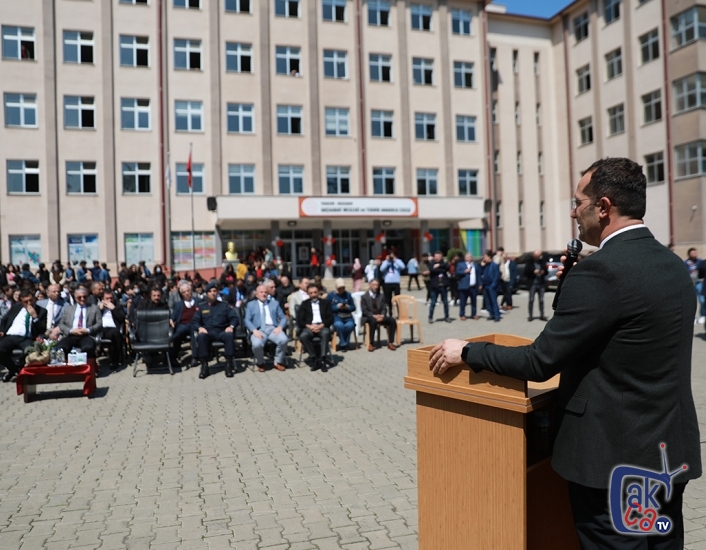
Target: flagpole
(191, 192)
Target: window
(291, 179)
(289, 119)
(83, 247)
(21, 110)
(238, 6)
(427, 181)
(465, 128)
(136, 177)
(22, 176)
(519, 162)
(287, 8)
(541, 213)
(498, 218)
(379, 13)
(493, 65)
(421, 17)
(424, 126)
(515, 62)
(691, 159)
(616, 119)
(287, 60)
(581, 27)
(187, 54)
(586, 130)
(517, 113)
(189, 116)
(468, 182)
(188, 4)
(381, 124)
(461, 22)
(18, 42)
(134, 51)
(422, 71)
(538, 114)
(614, 63)
(78, 47)
(238, 57)
(182, 179)
(135, 114)
(79, 112)
(540, 164)
(338, 180)
(334, 10)
(690, 92)
(240, 118)
(520, 214)
(134, 2)
(336, 121)
(139, 247)
(652, 103)
(80, 177)
(496, 161)
(611, 10)
(689, 25)
(380, 67)
(494, 111)
(649, 46)
(241, 179)
(584, 79)
(463, 74)
(25, 249)
(383, 181)
(335, 64)
(654, 165)
(536, 63)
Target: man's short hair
(80, 290)
(622, 181)
(96, 284)
(310, 286)
(692, 249)
(25, 292)
(156, 288)
(439, 252)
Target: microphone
(573, 249)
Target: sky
(538, 8)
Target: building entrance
(296, 251)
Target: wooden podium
(483, 451)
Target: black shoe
(431, 321)
(204, 370)
(324, 368)
(8, 377)
(114, 366)
(530, 318)
(448, 319)
(543, 318)
(230, 371)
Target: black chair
(152, 334)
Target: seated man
(113, 317)
(79, 324)
(214, 320)
(180, 321)
(314, 317)
(154, 301)
(54, 304)
(96, 296)
(266, 321)
(18, 329)
(343, 307)
(373, 306)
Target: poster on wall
(183, 253)
(26, 249)
(139, 247)
(83, 247)
(303, 254)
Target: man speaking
(621, 338)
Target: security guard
(214, 320)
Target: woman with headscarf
(357, 273)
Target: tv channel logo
(632, 500)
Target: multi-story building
(337, 124)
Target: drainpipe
(667, 122)
(567, 88)
(361, 100)
(163, 209)
(488, 124)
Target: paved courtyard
(278, 460)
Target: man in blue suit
(468, 275)
(54, 304)
(265, 320)
(490, 280)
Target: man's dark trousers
(435, 292)
(204, 341)
(463, 295)
(306, 336)
(595, 529)
(113, 334)
(85, 343)
(7, 345)
(181, 333)
(390, 290)
(490, 296)
(536, 288)
(389, 322)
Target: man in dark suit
(621, 338)
(314, 318)
(79, 325)
(180, 320)
(536, 275)
(373, 308)
(19, 328)
(112, 320)
(468, 276)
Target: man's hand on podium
(445, 355)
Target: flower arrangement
(39, 353)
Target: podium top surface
(486, 388)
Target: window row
(652, 112)
(23, 178)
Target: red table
(30, 376)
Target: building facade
(342, 125)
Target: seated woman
(343, 307)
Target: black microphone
(573, 248)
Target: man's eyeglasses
(576, 202)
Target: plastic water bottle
(60, 358)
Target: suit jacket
(529, 270)
(93, 321)
(490, 276)
(38, 326)
(464, 279)
(253, 316)
(369, 307)
(621, 338)
(59, 306)
(178, 309)
(305, 315)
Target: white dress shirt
(265, 314)
(50, 314)
(316, 313)
(619, 231)
(19, 324)
(472, 274)
(108, 321)
(77, 312)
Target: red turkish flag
(188, 170)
